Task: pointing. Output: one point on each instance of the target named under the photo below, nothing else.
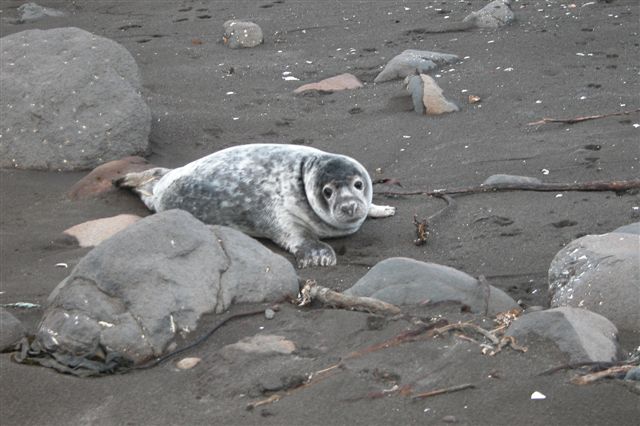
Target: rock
(260, 344)
(11, 331)
(188, 363)
(269, 314)
(427, 96)
(496, 14)
(411, 62)
(600, 273)
(510, 180)
(333, 84)
(632, 228)
(30, 12)
(633, 374)
(99, 180)
(403, 281)
(93, 232)
(71, 101)
(238, 34)
(582, 335)
(130, 297)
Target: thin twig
(461, 326)
(580, 119)
(312, 291)
(617, 186)
(443, 391)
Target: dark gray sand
(556, 61)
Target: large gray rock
(136, 292)
(600, 273)
(496, 14)
(411, 62)
(403, 281)
(70, 100)
(11, 330)
(580, 334)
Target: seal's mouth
(350, 212)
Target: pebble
(269, 314)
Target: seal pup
(292, 195)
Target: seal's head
(339, 190)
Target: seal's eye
(358, 185)
(327, 192)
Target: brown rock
(333, 84)
(99, 180)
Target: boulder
(632, 228)
(427, 96)
(496, 14)
(600, 273)
(70, 100)
(239, 34)
(411, 62)
(134, 294)
(403, 281)
(11, 330)
(582, 335)
(333, 84)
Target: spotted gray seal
(290, 194)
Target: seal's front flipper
(314, 253)
(381, 211)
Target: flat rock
(89, 112)
(496, 14)
(239, 34)
(501, 179)
(98, 181)
(582, 335)
(411, 62)
(600, 273)
(93, 232)
(427, 96)
(11, 330)
(131, 296)
(333, 84)
(260, 344)
(403, 281)
(29, 12)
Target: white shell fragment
(538, 395)
(188, 363)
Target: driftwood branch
(617, 186)
(312, 291)
(424, 395)
(580, 119)
(610, 372)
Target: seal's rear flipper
(142, 183)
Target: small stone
(269, 314)
(30, 12)
(261, 344)
(633, 374)
(239, 34)
(333, 84)
(473, 99)
(501, 179)
(496, 14)
(450, 419)
(188, 363)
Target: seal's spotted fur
(290, 194)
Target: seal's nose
(349, 208)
